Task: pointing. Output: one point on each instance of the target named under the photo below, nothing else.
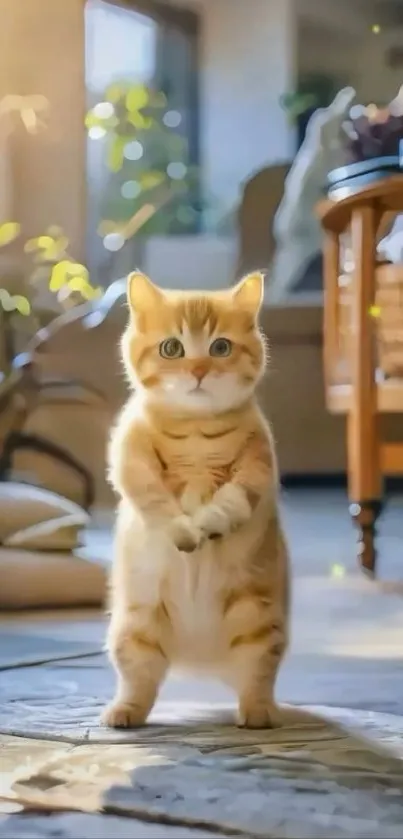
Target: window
(152, 44)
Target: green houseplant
(153, 186)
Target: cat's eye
(221, 347)
(171, 348)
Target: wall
(358, 60)
(248, 60)
(42, 51)
(375, 80)
(248, 54)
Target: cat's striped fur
(200, 576)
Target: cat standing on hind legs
(200, 571)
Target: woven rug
(324, 773)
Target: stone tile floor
(346, 652)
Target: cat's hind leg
(141, 665)
(257, 641)
(259, 667)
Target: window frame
(189, 21)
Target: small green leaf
(22, 304)
(115, 153)
(91, 120)
(31, 245)
(10, 303)
(65, 271)
(136, 119)
(148, 123)
(151, 179)
(77, 270)
(45, 242)
(136, 98)
(59, 275)
(8, 232)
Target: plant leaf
(91, 120)
(8, 232)
(10, 303)
(59, 275)
(45, 242)
(136, 98)
(115, 153)
(136, 119)
(22, 304)
(151, 179)
(76, 269)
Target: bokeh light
(113, 242)
(96, 132)
(103, 110)
(130, 190)
(177, 171)
(337, 571)
(133, 150)
(172, 119)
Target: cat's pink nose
(199, 372)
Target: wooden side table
(358, 382)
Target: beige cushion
(29, 579)
(33, 517)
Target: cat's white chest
(195, 607)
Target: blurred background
(193, 140)
(232, 89)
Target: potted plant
(374, 146)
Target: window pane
(120, 43)
(124, 45)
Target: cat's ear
(248, 293)
(142, 294)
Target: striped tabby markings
(254, 594)
(141, 641)
(215, 435)
(262, 634)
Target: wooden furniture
(363, 343)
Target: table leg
(363, 437)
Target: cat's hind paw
(123, 715)
(259, 716)
(185, 534)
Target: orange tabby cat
(200, 571)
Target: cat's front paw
(212, 521)
(233, 501)
(185, 534)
